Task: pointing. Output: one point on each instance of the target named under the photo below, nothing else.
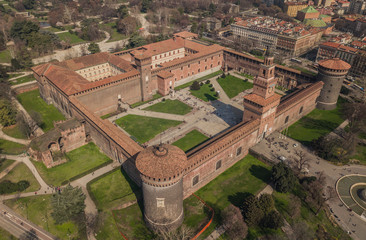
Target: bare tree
(294, 206)
(234, 223)
(301, 160)
(183, 233)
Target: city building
(357, 6)
(292, 38)
(212, 23)
(291, 8)
(353, 56)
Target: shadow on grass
(261, 173)
(318, 124)
(238, 198)
(135, 189)
(210, 97)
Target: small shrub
(216, 95)
(201, 84)
(208, 82)
(195, 86)
(212, 89)
(272, 220)
(245, 80)
(210, 85)
(223, 75)
(163, 100)
(7, 186)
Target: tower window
(238, 151)
(302, 108)
(160, 202)
(286, 120)
(195, 180)
(218, 164)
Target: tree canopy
(93, 48)
(283, 177)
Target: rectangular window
(195, 180)
(160, 202)
(218, 164)
(238, 151)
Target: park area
(21, 80)
(170, 106)
(71, 38)
(38, 210)
(316, 124)
(22, 173)
(206, 93)
(233, 85)
(33, 102)
(14, 131)
(190, 140)
(145, 128)
(12, 148)
(81, 161)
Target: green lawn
(5, 56)
(22, 172)
(170, 106)
(304, 70)
(38, 210)
(32, 101)
(120, 190)
(155, 96)
(204, 93)
(233, 85)
(211, 75)
(24, 79)
(130, 220)
(13, 75)
(190, 140)
(245, 75)
(316, 124)
(4, 163)
(14, 131)
(360, 154)
(249, 175)
(145, 128)
(5, 235)
(71, 38)
(80, 160)
(12, 148)
(111, 28)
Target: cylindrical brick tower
(161, 169)
(332, 73)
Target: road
(18, 226)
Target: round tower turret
(331, 72)
(161, 169)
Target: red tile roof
(186, 34)
(165, 74)
(261, 101)
(335, 63)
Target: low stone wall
(21, 88)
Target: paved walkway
(23, 74)
(8, 169)
(17, 140)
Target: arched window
(195, 180)
(286, 120)
(302, 108)
(218, 164)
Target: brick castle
(88, 87)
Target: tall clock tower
(263, 101)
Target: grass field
(12, 148)
(13, 75)
(79, 161)
(24, 79)
(211, 75)
(5, 56)
(38, 210)
(360, 154)
(190, 140)
(145, 128)
(156, 96)
(22, 172)
(120, 190)
(32, 101)
(111, 28)
(14, 131)
(170, 106)
(71, 38)
(316, 124)
(233, 85)
(5, 235)
(204, 93)
(245, 75)
(4, 163)
(304, 70)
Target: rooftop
(309, 9)
(335, 64)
